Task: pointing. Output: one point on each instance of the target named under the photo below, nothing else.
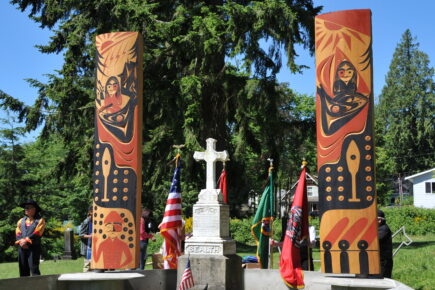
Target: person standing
(146, 227)
(385, 245)
(306, 250)
(28, 238)
(86, 240)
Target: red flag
(297, 230)
(223, 185)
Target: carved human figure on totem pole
(112, 99)
(345, 155)
(112, 247)
(117, 151)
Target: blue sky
(390, 19)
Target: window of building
(430, 187)
(309, 190)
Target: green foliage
(417, 221)
(240, 231)
(192, 91)
(405, 116)
(154, 247)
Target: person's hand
(272, 242)
(153, 239)
(23, 242)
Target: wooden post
(118, 151)
(345, 155)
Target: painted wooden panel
(345, 154)
(118, 151)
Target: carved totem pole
(118, 151)
(345, 153)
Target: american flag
(171, 226)
(187, 278)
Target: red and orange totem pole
(118, 151)
(345, 153)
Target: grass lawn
(414, 265)
(10, 270)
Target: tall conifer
(405, 114)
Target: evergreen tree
(192, 89)
(405, 114)
(12, 186)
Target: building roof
(419, 174)
(309, 177)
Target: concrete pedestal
(213, 272)
(219, 272)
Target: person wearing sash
(28, 238)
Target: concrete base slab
(259, 279)
(91, 276)
(213, 272)
(209, 274)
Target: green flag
(261, 227)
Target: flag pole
(271, 222)
(304, 164)
(177, 156)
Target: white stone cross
(211, 156)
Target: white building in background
(424, 188)
(312, 194)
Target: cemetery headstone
(211, 250)
(68, 253)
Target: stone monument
(211, 250)
(68, 250)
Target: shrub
(154, 247)
(188, 226)
(417, 221)
(240, 231)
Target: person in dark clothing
(28, 238)
(146, 229)
(385, 245)
(86, 240)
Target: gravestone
(68, 253)
(211, 250)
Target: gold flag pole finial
(304, 163)
(178, 147)
(271, 163)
